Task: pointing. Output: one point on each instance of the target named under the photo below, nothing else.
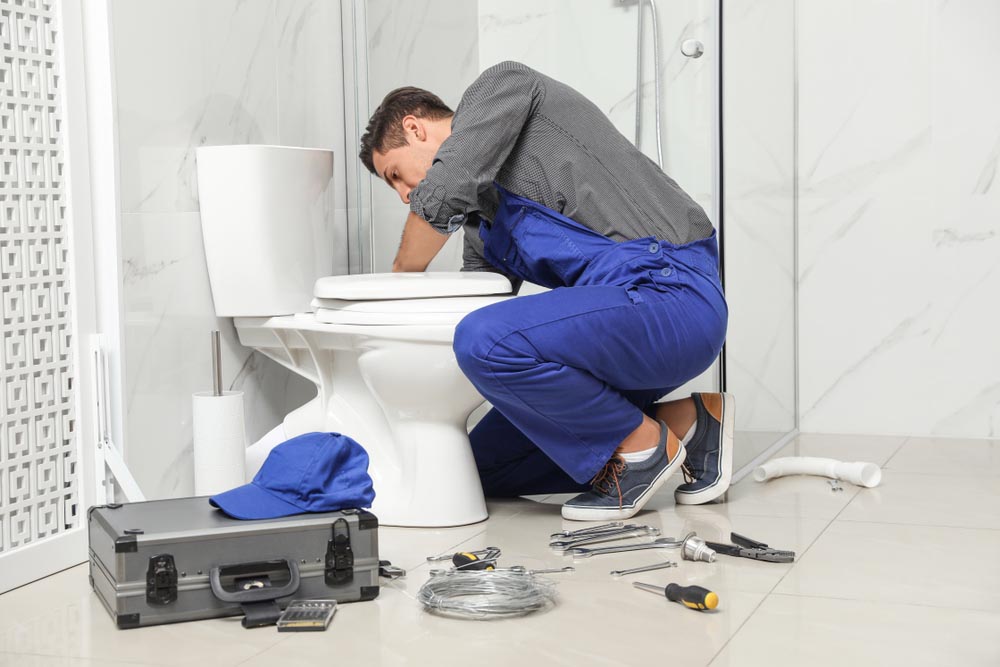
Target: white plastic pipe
(857, 472)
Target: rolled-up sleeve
(486, 125)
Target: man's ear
(413, 125)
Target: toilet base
(436, 501)
(399, 392)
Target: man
(550, 192)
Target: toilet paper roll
(219, 442)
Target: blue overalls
(571, 371)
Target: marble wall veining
(190, 73)
(899, 143)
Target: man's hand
(419, 245)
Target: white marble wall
(192, 73)
(899, 216)
(759, 131)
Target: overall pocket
(499, 247)
(547, 250)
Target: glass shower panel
(759, 192)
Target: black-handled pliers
(744, 547)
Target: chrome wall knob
(692, 48)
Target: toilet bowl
(378, 347)
(387, 377)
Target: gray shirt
(541, 139)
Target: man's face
(404, 167)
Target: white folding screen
(39, 496)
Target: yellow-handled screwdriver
(470, 560)
(692, 597)
(484, 559)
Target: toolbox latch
(339, 556)
(161, 580)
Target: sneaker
(708, 470)
(621, 489)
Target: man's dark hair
(385, 129)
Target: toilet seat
(445, 310)
(406, 298)
(415, 285)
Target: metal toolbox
(165, 561)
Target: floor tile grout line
(973, 475)
(451, 546)
(737, 631)
(35, 581)
(896, 452)
(888, 602)
(813, 517)
(262, 652)
(806, 550)
(798, 559)
(918, 525)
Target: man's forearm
(419, 245)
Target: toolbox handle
(248, 570)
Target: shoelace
(610, 473)
(688, 476)
(691, 470)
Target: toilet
(378, 347)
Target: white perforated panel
(38, 485)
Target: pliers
(744, 547)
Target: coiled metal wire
(486, 594)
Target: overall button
(654, 247)
(666, 271)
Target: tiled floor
(904, 574)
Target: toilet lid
(395, 286)
(445, 310)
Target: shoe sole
(571, 513)
(721, 485)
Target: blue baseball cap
(313, 472)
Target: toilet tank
(267, 220)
